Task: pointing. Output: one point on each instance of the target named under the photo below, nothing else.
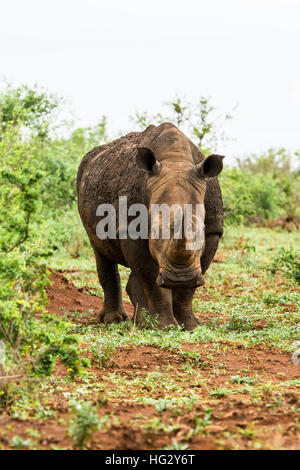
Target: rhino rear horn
(146, 160)
(211, 166)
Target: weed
(84, 424)
(220, 392)
(201, 423)
(287, 262)
(17, 443)
(237, 379)
(176, 446)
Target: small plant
(240, 322)
(237, 379)
(163, 405)
(156, 425)
(201, 423)
(192, 358)
(219, 392)
(249, 432)
(176, 446)
(33, 433)
(287, 262)
(17, 443)
(103, 354)
(84, 424)
(148, 321)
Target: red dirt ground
(64, 297)
(266, 420)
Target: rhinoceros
(157, 166)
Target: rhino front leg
(182, 308)
(211, 246)
(154, 299)
(109, 278)
(142, 287)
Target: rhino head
(177, 242)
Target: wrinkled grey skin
(158, 165)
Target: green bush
(287, 262)
(257, 196)
(36, 183)
(33, 338)
(38, 168)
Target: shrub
(33, 338)
(287, 262)
(84, 424)
(247, 195)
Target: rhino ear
(211, 166)
(146, 160)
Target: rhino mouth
(176, 279)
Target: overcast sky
(114, 57)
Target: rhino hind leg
(109, 278)
(182, 307)
(146, 295)
(211, 246)
(137, 296)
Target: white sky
(114, 57)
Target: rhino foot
(188, 320)
(162, 324)
(112, 317)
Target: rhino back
(110, 171)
